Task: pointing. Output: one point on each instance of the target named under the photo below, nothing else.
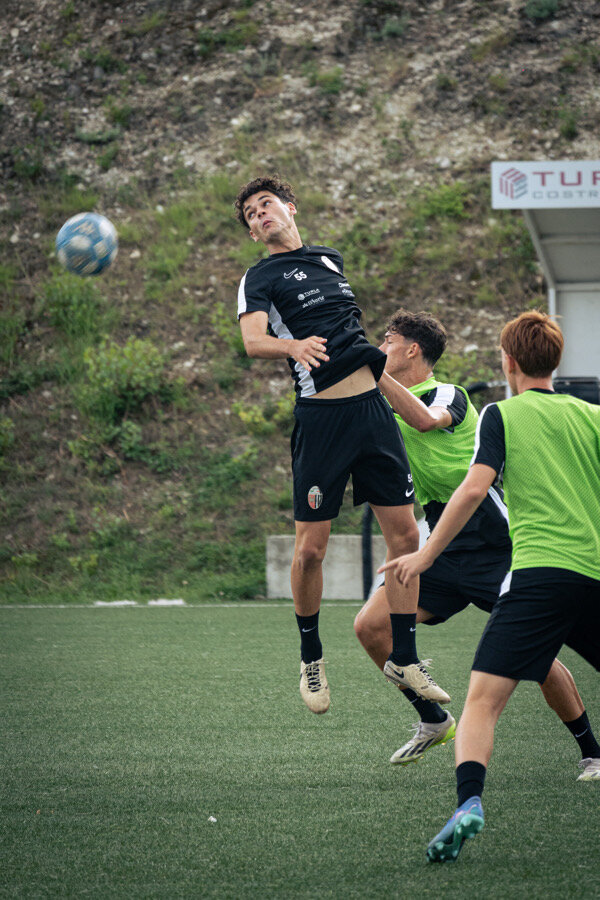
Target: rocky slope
(385, 114)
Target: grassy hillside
(141, 452)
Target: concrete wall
(342, 569)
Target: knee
(309, 555)
(406, 542)
(366, 630)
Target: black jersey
(304, 293)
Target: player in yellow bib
(547, 446)
(438, 424)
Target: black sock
(310, 643)
(404, 651)
(582, 732)
(470, 777)
(429, 712)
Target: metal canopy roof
(567, 243)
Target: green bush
(73, 304)
(220, 476)
(118, 113)
(7, 433)
(329, 81)
(12, 325)
(107, 62)
(568, 123)
(394, 26)
(444, 202)
(254, 418)
(240, 33)
(106, 159)
(539, 10)
(119, 379)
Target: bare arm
(308, 352)
(459, 509)
(414, 412)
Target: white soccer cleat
(591, 769)
(427, 735)
(314, 689)
(417, 678)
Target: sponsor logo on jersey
(308, 293)
(315, 497)
(313, 300)
(289, 274)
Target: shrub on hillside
(73, 304)
(119, 379)
(538, 10)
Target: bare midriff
(358, 382)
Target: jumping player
(438, 424)
(548, 447)
(296, 304)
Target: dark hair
(423, 328)
(535, 341)
(271, 183)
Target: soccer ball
(86, 244)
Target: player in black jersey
(296, 304)
(438, 424)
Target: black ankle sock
(404, 651)
(430, 712)
(310, 643)
(582, 732)
(470, 777)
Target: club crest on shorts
(315, 497)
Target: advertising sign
(553, 184)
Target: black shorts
(543, 609)
(462, 577)
(333, 439)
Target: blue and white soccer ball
(87, 243)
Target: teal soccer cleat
(466, 822)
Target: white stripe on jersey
(505, 586)
(477, 434)
(242, 305)
(307, 385)
(444, 396)
(492, 493)
(498, 501)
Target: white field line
(238, 604)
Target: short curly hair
(422, 328)
(272, 183)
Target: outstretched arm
(308, 352)
(414, 412)
(459, 509)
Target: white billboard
(550, 184)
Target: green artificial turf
(126, 729)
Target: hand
(407, 567)
(309, 351)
